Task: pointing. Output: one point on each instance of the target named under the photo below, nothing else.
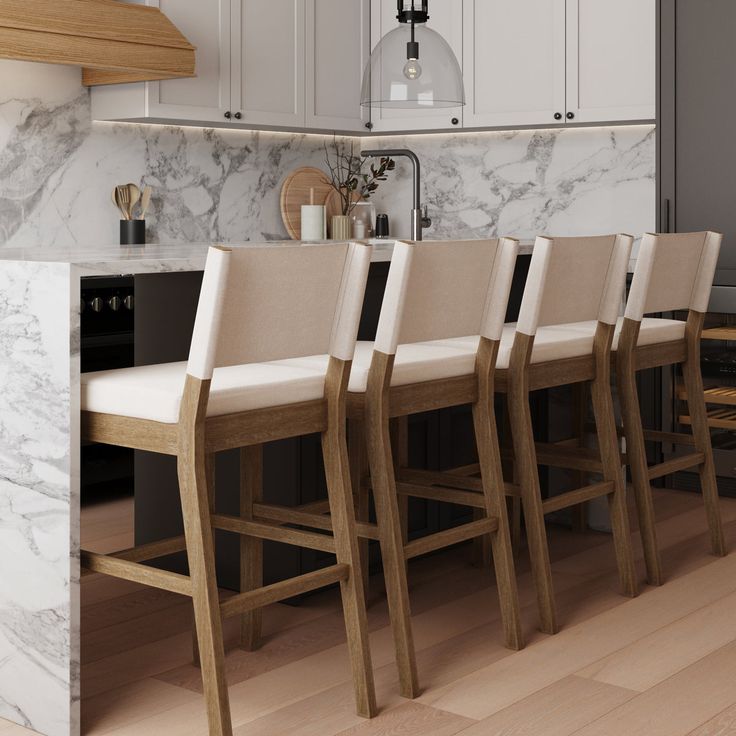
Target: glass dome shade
(392, 80)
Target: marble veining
(57, 170)
(39, 537)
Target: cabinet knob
(558, 116)
(571, 116)
(238, 115)
(369, 125)
(228, 114)
(455, 121)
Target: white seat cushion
(154, 391)
(651, 332)
(414, 363)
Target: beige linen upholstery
(574, 280)
(673, 272)
(437, 291)
(248, 294)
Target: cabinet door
(337, 50)
(268, 62)
(205, 97)
(514, 62)
(611, 68)
(446, 18)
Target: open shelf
(717, 418)
(724, 332)
(724, 395)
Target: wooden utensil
(145, 201)
(296, 191)
(122, 200)
(134, 195)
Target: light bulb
(412, 69)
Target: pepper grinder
(382, 226)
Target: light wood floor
(663, 664)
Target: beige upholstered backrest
(268, 302)
(445, 289)
(673, 271)
(574, 280)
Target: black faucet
(419, 220)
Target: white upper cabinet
(337, 50)
(445, 17)
(268, 62)
(206, 96)
(611, 60)
(299, 64)
(514, 62)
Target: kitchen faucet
(419, 220)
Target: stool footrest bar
(286, 515)
(691, 460)
(274, 533)
(579, 495)
(137, 573)
(439, 478)
(446, 495)
(573, 458)
(285, 589)
(450, 536)
(366, 530)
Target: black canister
(132, 232)
(382, 226)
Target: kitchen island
(40, 477)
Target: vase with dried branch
(347, 174)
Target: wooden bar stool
(436, 293)
(563, 337)
(673, 272)
(259, 307)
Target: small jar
(363, 216)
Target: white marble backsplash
(57, 170)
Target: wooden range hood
(113, 42)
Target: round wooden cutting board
(295, 192)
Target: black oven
(107, 317)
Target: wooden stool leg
(380, 459)
(503, 558)
(526, 463)
(701, 433)
(579, 512)
(342, 512)
(516, 524)
(637, 461)
(211, 495)
(605, 422)
(251, 548)
(399, 428)
(200, 550)
(361, 493)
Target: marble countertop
(152, 258)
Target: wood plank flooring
(663, 664)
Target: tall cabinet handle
(666, 217)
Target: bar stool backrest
(574, 280)
(445, 289)
(260, 303)
(673, 271)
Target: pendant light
(412, 66)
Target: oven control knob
(115, 302)
(97, 304)
(129, 301)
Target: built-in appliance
(696, 183)
(107, 315)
